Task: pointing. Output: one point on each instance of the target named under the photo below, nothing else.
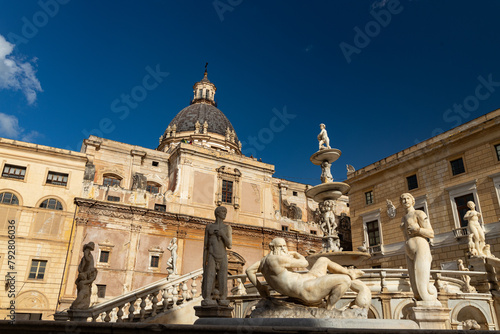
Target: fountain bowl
(329, 190)
(330, 155)
(345, 258)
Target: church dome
(201, 112)
(202, 123)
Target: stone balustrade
(143, 303)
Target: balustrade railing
(163, 295)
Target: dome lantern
(204, 90)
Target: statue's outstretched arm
(252, 276)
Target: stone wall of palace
(131, 235)
(41, 235)
(476, 143)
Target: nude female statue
(475, 228)
(416, 228)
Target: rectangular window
(373, 233)
(14, 172)
(155, 163)
(457, 166)
(59, 179)
(284, 228)
(37, 270)
(110, 181)
(101, 290)
(314, 232)
(160, 207)
(497, 149)
(152, 188)
(369, 197)
(462, 207)
(155, 261)
(412, 182)
(104, 257)
(295, 193)
(113, 199)
(227, 191)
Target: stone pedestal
(213, 311)
(487, 264)
(283, 309)
(79, 315)
(431, 317)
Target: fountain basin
(329, 155)
(347, 258)
(329, 190)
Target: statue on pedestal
(477, 242)
(218, 237)
(309, 288)
(416, 229)
(87, 273)
(172, 261)
(323, 138)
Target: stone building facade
(37, 188)
(442, 173)
(140, 206)
(136, 200)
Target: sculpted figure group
(477, 243)
(309, 288)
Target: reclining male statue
(309, 288)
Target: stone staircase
(143, 304)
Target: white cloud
(17, 74)
(9, 128)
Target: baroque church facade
(139, 205)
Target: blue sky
(382, 75)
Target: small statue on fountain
(323, 138)
(477, 243)
(172, 261)
(327, 218)
(326, 175)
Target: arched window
(153, 187)
(9, 198)
(51, 203)
(111, 180)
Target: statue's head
(278, 246)
(407, 200)
(322, 126)
(471, 205)
(90, 246)
(221, 212)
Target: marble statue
(475, 230)
(87, 273)
(218, 237)
(391, 209)
(169, 129)
(309, 288)
(416, 229)
(328, 223)
(323, 138)
(228, 134)
(174, 130)
(205, 127)
(350, 169)
(172, 261)
(197, 127)
(326, 174)
(466, 278)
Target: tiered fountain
(326, 194)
